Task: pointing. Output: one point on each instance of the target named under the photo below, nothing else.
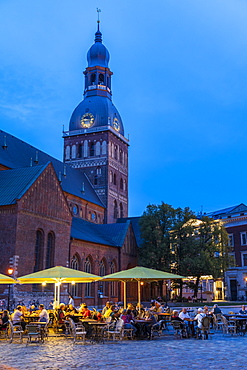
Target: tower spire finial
(98, 34)
(98, 21)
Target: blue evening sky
(179, 83)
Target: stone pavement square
(220, 352)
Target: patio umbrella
(58, 274)
(140, 274)
(7, 279)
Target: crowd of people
(134, 317)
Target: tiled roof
(225, 210)
(20, 154)
(107, 234)
(14, 183)
(136, 227)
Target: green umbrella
(140, 274)
(58, 274)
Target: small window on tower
(93, 78)
(101, 79)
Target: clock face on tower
(87, 120)
(116, 124)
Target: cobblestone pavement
(220, 352)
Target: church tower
(95, 142)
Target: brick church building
(72, 213)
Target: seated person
(187, 320)
(140, 312)
(4, 320)
(108, 312)
(175, 317)
(61, 316)
(158, 307)
(127, 318)
(200, 315)
(96, 315)
(243, 310)
(43, 316)
(84, 311)
(107, 306)
(149, 317)
(17, 317)
(216, 310)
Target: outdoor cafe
(116, 321)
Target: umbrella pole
(139, 295)
(125, 295)
(55, 296)
(58, 293)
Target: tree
(175, 240)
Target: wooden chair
(15, 330)
(158, 328)
(179, 332)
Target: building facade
(67, 213)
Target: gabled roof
(15, 183)
(15, 153)
(230, 210)
(107, 234)
(135, 225)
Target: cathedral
(72, 213)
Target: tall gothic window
(121, 156)
(114, 179)
(115, 209)
(121, 210)
(115, 152)
(102, 272)
(87, 268)
(74, 288)
(92, 150)
(39, 251)
(113, 285)
(101, 79)
(50, 251)
(73, 154)
(121, 183)
(67, 152)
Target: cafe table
(97, 332)
(241, 323)
(42, 327)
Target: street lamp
(10, 272)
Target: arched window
(80, 150)
(94, 216)
(121, 210)
(102, 272)
(93, 78)
(124, 185)
(85, 148)
(92, 150)
(98, 171)
(101, 79)
(121, 156)
(95, 180)
(121, 183)
(97, 148)
(74, 288)
(73, 154)
(112, 150)
(110, 176)
(115, 209)
(114, 179)
(39, 251)
(67, 152)
(104, 147)
(87, 268)
(113, 286)
(50, 251)
(115, 152)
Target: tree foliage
(175, 240)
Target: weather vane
(98, 11)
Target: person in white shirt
(187, 321)
(158, 307)
(17, 318)
(43, 316)
(200, 315)
(71, 300)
